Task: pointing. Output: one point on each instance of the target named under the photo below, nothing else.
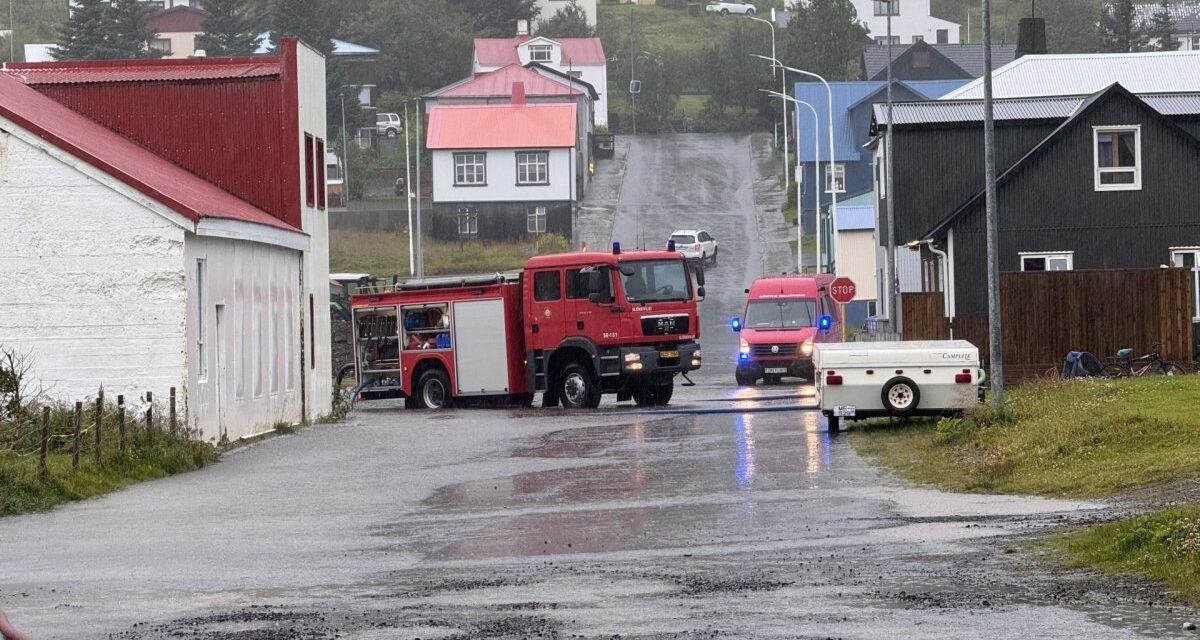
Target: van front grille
(774, 349)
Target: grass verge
(381, 253)
(1164, 546)
(1062, 438)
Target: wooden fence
(1045, 314)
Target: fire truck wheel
(900, 396)
(663, 393)
(577, 387)
(433, 390)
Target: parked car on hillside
(389, 124)
(696, 245)
(726, 8)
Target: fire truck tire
(654, 394)
(433, 390)
(578, 387)
(663, 393)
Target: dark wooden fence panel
(923, 318)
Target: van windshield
(787, 313)
(655, 281)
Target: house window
(320, 182)
(835, 178)
(918, 38)
(579, 74)
(161, 44)
(546, 286)
(540, 52)
(470, 169)
(943, 36)
(883, 7)
(201, 353)
(1118, 158)
(1190, 259)
(468, 221)
(533, 167)
(881, 40)
(1056, 261)
(310, 191)
(535, 221)
(1195, 43)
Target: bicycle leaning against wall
(1151, 364)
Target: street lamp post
(829, 163)
(412, 254)
(816, 170)
(890, 262)
(787, 177)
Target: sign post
(843, 290)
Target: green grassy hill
(1070, 24)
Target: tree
(1160, 33)
(734, 74)
(131, 36)
(86, 33)
(1067, 29)
(570, 21)
(313, 21)
(1119, 31)
(824, 37)
(230, 29)
(498, 18)
(423, 44)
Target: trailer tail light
(964, 377)
(833, 379)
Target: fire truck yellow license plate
(666, 355)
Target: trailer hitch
(689, 382)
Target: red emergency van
(573, 326)
(785, 315)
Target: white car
(726, 8)
(389, 124)
(695, 244)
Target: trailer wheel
(433, 390)
(900, 396)
(835, 424)
(578, 388)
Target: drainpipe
(945, 283)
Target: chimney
(1031, 37)
(518, 93)
(522, 27)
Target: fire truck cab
(573, 326)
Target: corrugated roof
(1086, 73)
(1185, 15)
(527, 126)
(95, 71)
(179, 19)
(856, 213)
(968, 57)
(498, 83)
(124, 160)
(501, 51)
(948, 111)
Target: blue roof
(847, 95)
(856, 213)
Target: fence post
(99, 425)
(149, 411)
(45, 437)
(121, 420)
(78, 430)
(174, 424)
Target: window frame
(533, 217)
(535, 49)
(1136, 169)
(310, 191)
(321, 182)
(1195, 253)
(1047, 256)
(540, 159)
(893, 7)
(883, 40)
(558, 283)
(831, 172)
(469, 215)
(481, 164)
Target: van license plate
(776, 370)
(843, 412)
(667, 355)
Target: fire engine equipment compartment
(870, 379)
(573, 326)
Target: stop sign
(842, 290)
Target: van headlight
(744, 348)
(806, 347)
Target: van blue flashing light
(743, 356)
(825, 323)
(671, 245)
(616, 248)
(736, 324)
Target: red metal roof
(179, 19)
(789, 285)
(579, 51)
(162, 70)
(499, 83)
(502, 126)
(121, 158)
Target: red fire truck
(572, 325)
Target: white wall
(502, 179)
(550, 7)
(595, 75)
(183, 44)
(913, 19)
(91, 279)
(856, 254)
(319, 377)
(247, 376)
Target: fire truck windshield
(655, 280)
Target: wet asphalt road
(747, 522)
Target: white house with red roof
(503, 171)
(163, 225)
(175, 31)
(581, 58)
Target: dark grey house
(926, 61)
(1106, 181)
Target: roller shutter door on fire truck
(480, 347)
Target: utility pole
(12, 34)
(345, 153)
(890, 188)
(995, 337)
(632, 59)
(412, 254)
(420, 241)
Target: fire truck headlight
(695, 362)
(634, 366)
(633, 357)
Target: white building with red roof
(503, 171)
(163, 225)
(581, 58)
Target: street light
(787, 178)
(832, 155)
(816, 172)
